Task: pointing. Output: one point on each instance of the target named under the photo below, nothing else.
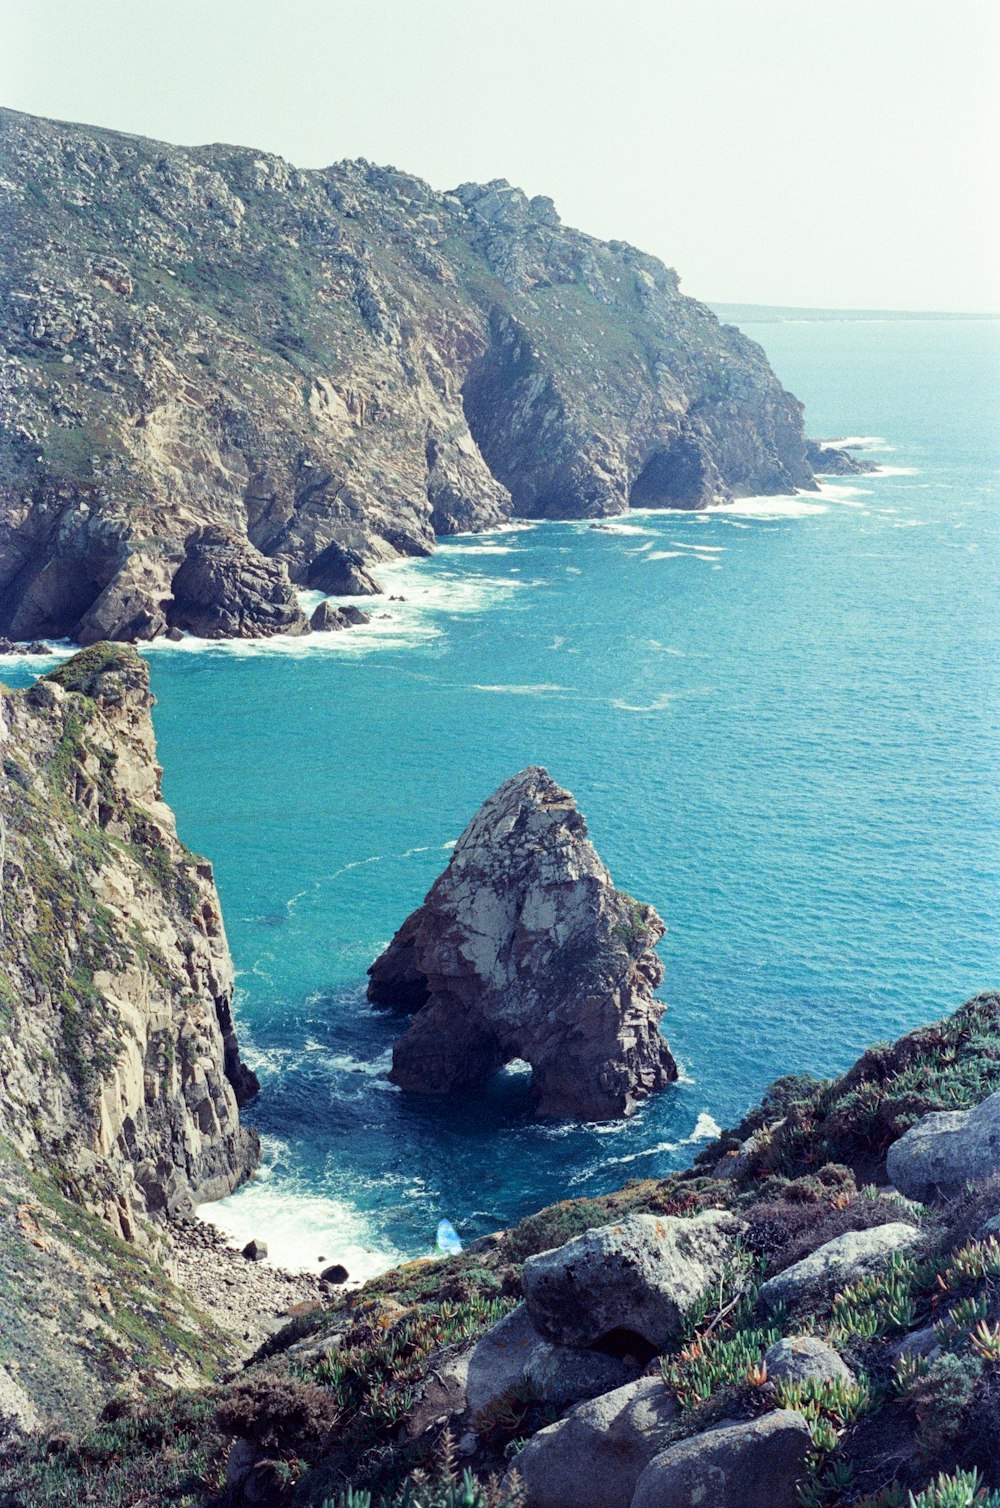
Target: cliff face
(118, 1060)
(523, 948)
(222, 376)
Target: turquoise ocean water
(780, 720)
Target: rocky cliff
(523, 948)
(223, 378)
(119, 1064)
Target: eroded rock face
(120, 1063)
(946, 1150)
(524, 949)
(332, 366)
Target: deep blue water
(780, 722)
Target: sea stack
(524, 949)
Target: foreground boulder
(845, 1260)
(628, 1283)
(595, 1456)
(753, 1464)
(946, 1150)
(805, 1358)
(523, 948)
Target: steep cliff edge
(523, 948)
(222, 376)
(118, 1058)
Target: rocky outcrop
(632, 1284)
(331, 368)
(946, 1150)
(118, 1058)
(844, 1260)
(524, 949)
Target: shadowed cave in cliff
(672, 477)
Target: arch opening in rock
(673, 477)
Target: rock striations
(118, 1058)
(523, 948)
(222, 378)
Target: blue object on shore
(448, 1239)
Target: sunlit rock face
(524, 949)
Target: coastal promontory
(223, 380)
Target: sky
(829, 153)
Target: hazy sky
(828, 152)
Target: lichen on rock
(524, 949)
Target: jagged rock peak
(119, 1063)
(524, 949)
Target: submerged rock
(523, 948)
(946, 1150)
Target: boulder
(255, 1251)
(335, 1273)
(566, 1374)
(524, 949)
(499, 1360)
(595, 1456)
(945, 1150)
(805, 1358)
(754, 1463)
(631, 1282)
(226, 589)
(328, 618)
(341, 571)
(842, 1261)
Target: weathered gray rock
(805, 1358)
(255, 1251)
(842, 1261)
(500, 1358)
(311, 361)
(327, 618)
(752, 1464)
(523, 948)
(18, 1415)
(638, 1277)
(226, 589)
(567, 1374)
(595, 1456)
(945, 1150)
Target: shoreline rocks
(523, 948)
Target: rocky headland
(223, 379)
(120, 1072)
(523, 949)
